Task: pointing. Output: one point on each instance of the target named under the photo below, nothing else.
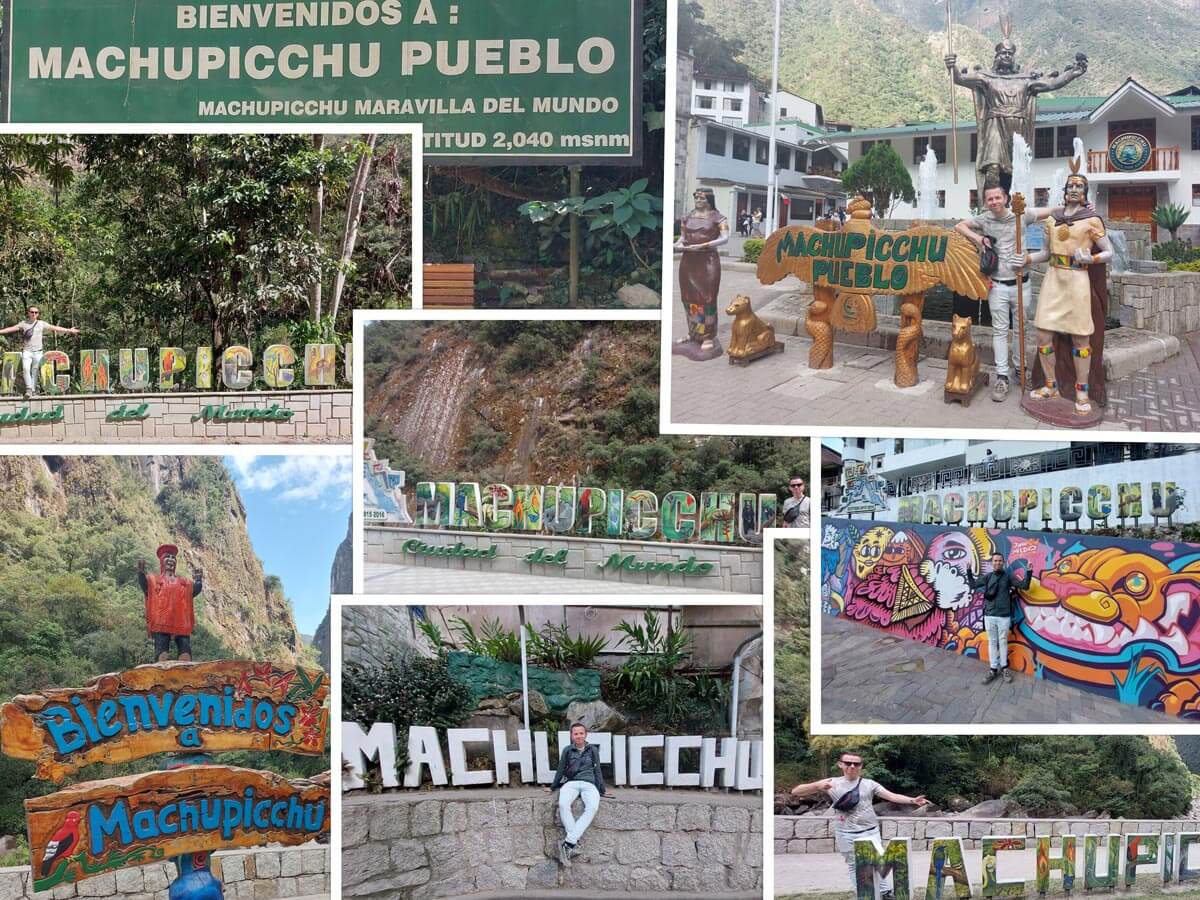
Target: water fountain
(927, 187)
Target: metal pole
(524, 666)
(574, 190)
(772, 177)
(953, 102)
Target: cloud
(326, 479)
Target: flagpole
(953, 102)
(772, 177)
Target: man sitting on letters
(853, 797)
(578, 775)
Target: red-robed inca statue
(170, 611)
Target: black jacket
(579, 765)
(999, 590)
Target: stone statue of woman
(702, 231)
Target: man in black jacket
(578, 775)
(999, 601)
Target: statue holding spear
(1005, 104)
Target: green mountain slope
(879, 62)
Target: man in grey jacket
(579, 776)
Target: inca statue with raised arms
(1006, 104)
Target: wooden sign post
(98, 826)
(847, 268)
(167, 708)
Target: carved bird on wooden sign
(862, 259)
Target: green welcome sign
(491, 81)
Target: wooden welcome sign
(847, 267)
(98, 826)
(165, 708)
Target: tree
(881, 176)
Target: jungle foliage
(185, 240)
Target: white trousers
(997, 635)
(847, 840)
(31, 360)
(587, 792)
(1002, 303)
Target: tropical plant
(433, 634)
(880, 175)
(1170, 216)
(493, 640)
(648, 679)
(752, 249)
(556, 648)
(621, 216)
(1174, 252)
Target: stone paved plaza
(868, 676)
(858, 390)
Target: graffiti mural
(1114, 616)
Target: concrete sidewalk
(869, 676)
(859, 390)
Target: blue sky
(297, 509)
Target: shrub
(405, 690)
(1038, 795)
(1193, 266)
(555, 648)
(1174, 252)
(752, 249)
(493, 640)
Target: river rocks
(596, 715)
(638, 296)
(993, 809)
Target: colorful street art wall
(1115, 616)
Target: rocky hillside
(102, 514)
(879, 62)
(504, 402)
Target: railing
(1162, 159)
(1080, 456)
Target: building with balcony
(733, 160)
(1143, 150)
(1058, 484)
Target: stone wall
(1165, 302)
(736, 568)
(814, 834)
(1137, 237)
(318, 417)
(370, 634)
(413, 846)
(246, 875)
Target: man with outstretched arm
(853, 804)
(579, 776)
(31, 345)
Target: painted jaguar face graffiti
(870, 548)
(1101, 601)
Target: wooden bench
(448, 286)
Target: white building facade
(1143, 150)
(733, 162)
(1020, 484)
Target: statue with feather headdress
(1006, 104)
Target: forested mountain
(879, 62)
(518, 402)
